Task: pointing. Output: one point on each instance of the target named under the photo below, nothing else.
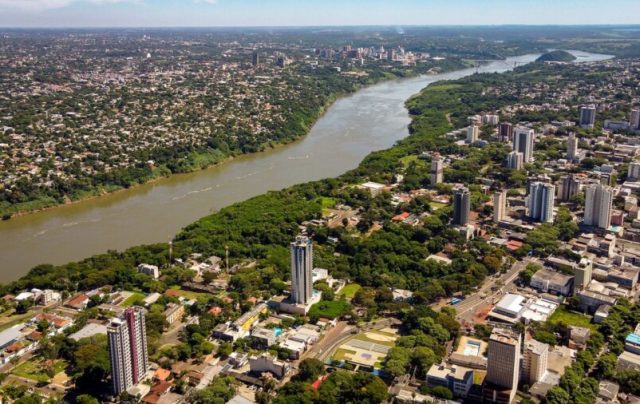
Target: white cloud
(33, 5)
(206, 1)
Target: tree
(442, 392)
(219, 391)
(225, 349)
(310, 370)
(86, 399)
(557, 395)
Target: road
(485, 295)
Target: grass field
(349, 290)
(342, 354)
(410, 159)
(327, 203)
(444, 87)
(8, 319)
(188, 294)
(135, 297)
(437, 205)
(363, 337)
(34, 370)
(562, 314)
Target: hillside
(556, 56)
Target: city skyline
(253, 13)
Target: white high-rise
(437, 170)
(515, 160)
(523, 142)
(572, 147)
(301, 270)
(588, 116)
(499, 205)
(503, 364)
(127, 337)
(634, 120)
(598, 206)
(541, 202)
(472, 134)
(535, 361)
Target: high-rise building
(572, 147)
(598, 206)
(541, 202)
(633, 173)
(472, 134)
(499, 205)
(535, 361)
(588, 116)
(523, 143)
(582, 274)
(301, 270)
(568, 186)
(255, 58)
(461, 206)
(515, 160)
(503, 366)
(128, 349)
(634, 120)
(437, 170)
(505, 132)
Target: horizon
(313, 13)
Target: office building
(598, 206)
(634, 121)
(437, 171)
(505, 132)
(568, 186)
(127, 337)
(633, 172)
(461, 206)
(301, 270)
(588, 116)
(503, 366)
(515, 160)
(535, 361)
(255, 59)
(541, 202)
(582, 274)
(572, 147)
(473, 132)
(499, 205)
(523, 142)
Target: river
(371, 119)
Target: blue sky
(113, 13)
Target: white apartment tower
(535, 361)
(572, 147)
(523, 143)
(499, 205)
(301, 270)
(437, 170)
(598, 206)
(588, 116)
(515, 160)
(472, 134)
(128, 349)
(541, 202)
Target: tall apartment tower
(499, 205)
(503, 366)
(523, 143)
(582, 274)
(437, 170)
(301, 270)
(127, 337)
(598, 206)
(633, 172)
(472, 134)
(588, 116)
(255, 58)
(634, 120)
(515, 160)
(461, 206)
(541, 202)
(505, 132)
(568, 186)
(535, 360)
(572, 147)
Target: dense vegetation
(556, 56)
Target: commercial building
(437, 170)
(499, 205)
(255, 58)
(128, 353)
(503, 366)
(472, 134)
(588, 116)
(301, 270)
(572, 147)
(515, 160)
(547, 281)
(461, 206)
(456, 378)
(541, 202)
(582, 274)
(267, 363)
(598, 206)
(535, 361)
(523, 143)
(150, 270)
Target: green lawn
(327, 203)
(187, 294)
(437, 205)
(342, 354)
(562, 314)
(329, 309)
(135, 297)
(363, 337)
(33, 369)
(349, 290)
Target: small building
(601, 313)
(578, 337)
(628, 361)
(78, 302)
(456, 378)
(263, 338)
(173, 313)
(547, 281)
(266, 363)
(150, 270)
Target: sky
(214, 13)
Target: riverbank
(202, 160)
